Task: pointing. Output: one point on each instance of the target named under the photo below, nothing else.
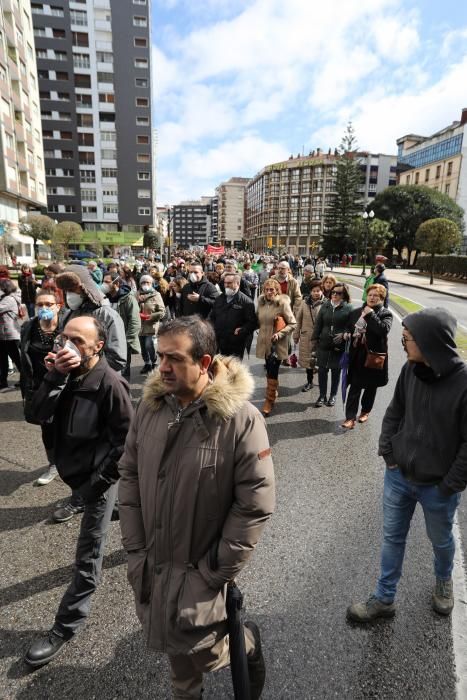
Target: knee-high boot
(271, 394)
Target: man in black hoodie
(199, 294)
(424, 444)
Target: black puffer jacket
(227, 316)
(424, 430)
(90, 419)
(207, 293)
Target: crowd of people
(188, 532)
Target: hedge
(452, 265)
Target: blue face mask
(45, 314)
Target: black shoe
(332, 401)
(321, 401)
(145, 369)
(307, 387)
(44, 650)
(256, 665)
(67, 511)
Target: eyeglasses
(339, 294)
(405, 340)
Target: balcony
(102, 25)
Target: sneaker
(332, 401)
(443, 597)
(321, 401)
(370, 610)
(307, 387)
(47, 476)
(66, 512)
(44, 650)
(256, 665)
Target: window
(109, 172)
(143, 175)
(104, 57)
(53, 208)
(49, 154)
(70, 208)
(58, 34)
(438, 172)
(140, 42)
(144, 194)
(66, 135)
(142, 139)
(81, 60)
(45, 114)
(427, 174)
(417, 178)
(44, 95)
(107, 97)
(110, 209)
(84, 120)
(47, 134)
(40, 31)
(43, 74)
(108, 154)
(68, 173)
(110, 193)
(140, 21)
(141, 62)
(90, 211)
(85, 139)
(139, 2)
(108, 117)
(60, 56)
(449, 172)
(68, 191)
(105, 77)
(446, 189)
(80, 39)
(64, 116)
(144, 211)
(79, 17)
(37, 9)
(61, 75)
(141, 82)
(142, 102)
(82, 81)
(64, 96)
(86, 157)
(143, 157)
(9, 140)
(67, 155)
(142, 121)
(87, 175)
(89, 195)
(56, 11)
(407, 180)
(41, 53)
(83, 100)
(108, 136)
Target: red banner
(215, 249)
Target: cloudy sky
(239, 84)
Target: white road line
(459, 613)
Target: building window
(417, 178)
(140, 42)
(141, 62)
(81, 60)
(144, 194)
(58, 34)
(70, 209)
(66, 135)
(105, 77)
(84, 120)
(142, 121)
(108, 136)
(90, 211)
(63, 96)
(86, 157)
(61, 75)
(438, 172)
(82, 81)
(449, 172)
(144, 211)
(108, 154)
(83, 100)
(109, 173)
(110, 209)
(88, 195)
(87, 175)
(143, 157)
(142, 175)
(407, 180)
(60, 56)
(85, 139)
(79, 17)
(142, 139)
(104, 57)
(427, 174)
(80, 39)
(140, 21)
(141, 82)
(56, 11)
(142, 102)
(446, 189)
(107, 97)
(68, 155)
(140, 2)
(53, 208)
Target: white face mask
(178, 294)
(193, 277)
(74, 300)
(230, 292)
(105, 287)
(145, 287)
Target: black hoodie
(424, 429)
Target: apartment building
(231, 196)
(378, 172)
(191, 223)
(286, 203)
(22, 175)
(93, 60)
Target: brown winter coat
(151, 303)
(204, 483)
(306, 319)
(293, 292)
(267, 312)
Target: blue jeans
(399, 500)
(147, 349)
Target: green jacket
(128, 308)
(369, 281)
(330, 322)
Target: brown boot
(271, 393)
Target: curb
(414, 286)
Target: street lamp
(367, 217)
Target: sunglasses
(339, 294)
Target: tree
(347, 202)
(39, 227)
(377, 235)
(437, 236)
(405, 207)
(64, 233)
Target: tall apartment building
(22, 176)
(286, 203)
(231, 196)
(378, 172)
(438, 161)
(214, 238)
(191, 223)
(93, 59)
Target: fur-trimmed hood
(278, 300)
(74, 275)
(232, 385)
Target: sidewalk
(410, 278)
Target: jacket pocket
(138, 575)
(199, 605)
(83, 420)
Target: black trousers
(8, 348)
(76, 602)
(353, 399)
(323, 380)
(272, 367)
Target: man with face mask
(88, 407)
(199, 294)
(231, 267)
(233, 317)
(124, 302)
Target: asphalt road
(319, 552)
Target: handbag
(374, 360)
(279, 324)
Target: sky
(240, 84)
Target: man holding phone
(89, 408)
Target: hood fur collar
(232, 385)
(278, 300)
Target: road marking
(459, 615)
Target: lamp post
(367, 217)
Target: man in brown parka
(196, 490)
